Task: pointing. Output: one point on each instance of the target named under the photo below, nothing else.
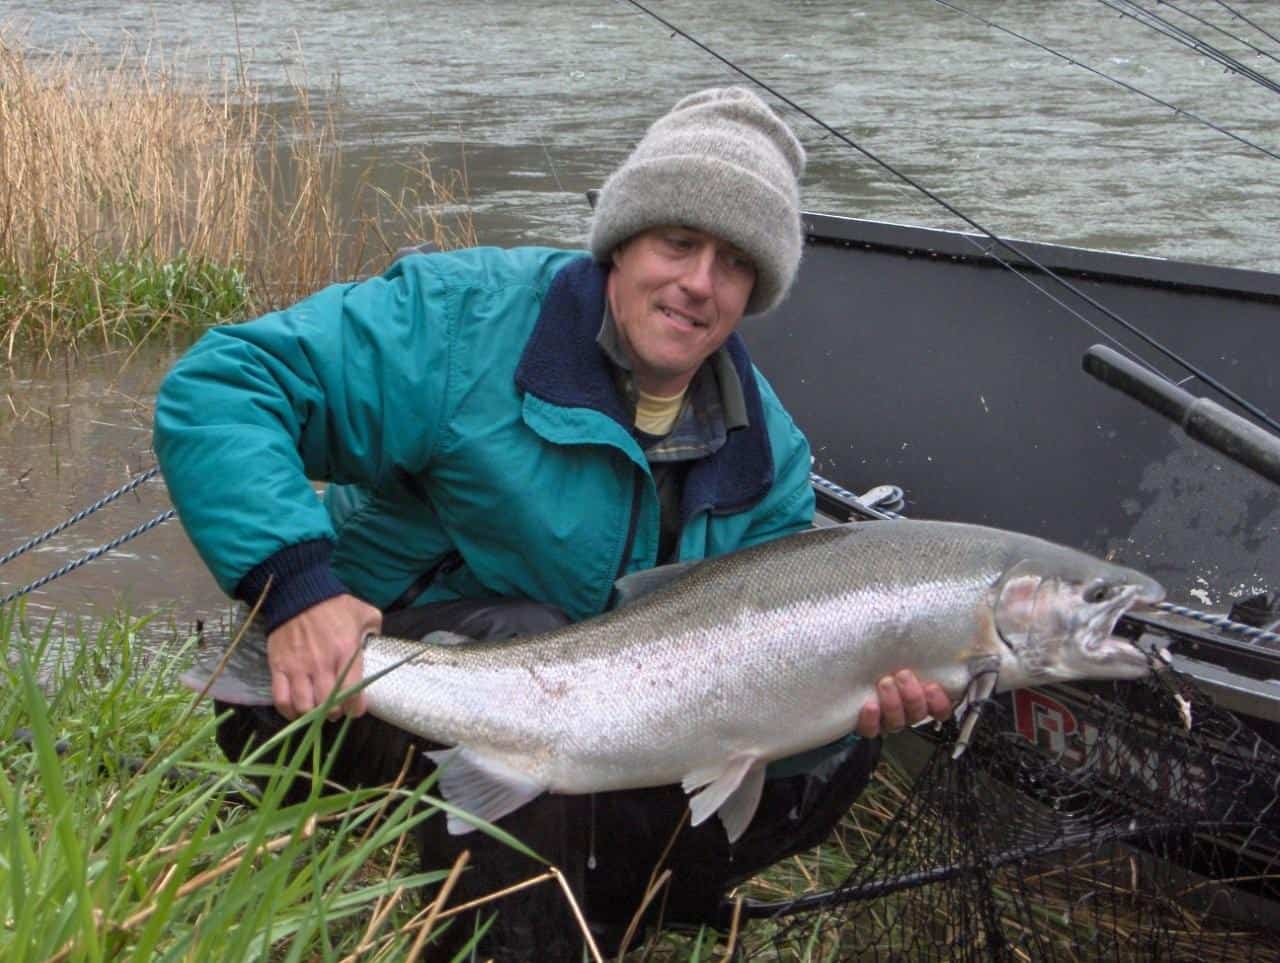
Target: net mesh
(1082, 824)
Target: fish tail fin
(241, 678)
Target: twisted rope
(78, 516)
(89, 556)
(1221, 622)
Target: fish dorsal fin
(482, 786)
(246, 678)
(637, 585)
(732, 789)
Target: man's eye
(678, 241)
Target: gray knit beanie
(721, 161)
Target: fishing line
(1105, 76)
(1169, 29)
(1236, 13)
(1226, 33)
(1187, 39)
(1161, 25)
(1006, 245)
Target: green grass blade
(53, 781)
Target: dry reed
(133, 201)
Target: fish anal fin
(484, 787)
(737, 811)
(718, 784)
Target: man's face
(676, 294)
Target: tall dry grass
(133, 202)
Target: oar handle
(1204, 420)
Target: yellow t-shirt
(654, 414)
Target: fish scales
(599, 691)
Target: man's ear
(616, 254)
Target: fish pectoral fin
(720, 788)
(982, 684)
(637, 585)
(484, 787)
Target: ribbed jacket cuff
(299, 577)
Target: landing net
(1082, 824)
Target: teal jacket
(462, 412)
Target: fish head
(1056, 613)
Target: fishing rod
(1162, 25)
(1155, 22)
(1007, 245)
(1226, 33)
(1236, 13)
(1108, 77)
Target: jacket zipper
(637, 489)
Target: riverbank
(128, 836)
(140, 200)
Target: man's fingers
(914, 707)
(938, 702)
(892, 715)
(868, 726)
(281, 695)
(303, 698)
(354, 705)
(323, 685)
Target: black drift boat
(913, 359)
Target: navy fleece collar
(563, 364)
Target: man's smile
(682, 317)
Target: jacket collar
(563, 364)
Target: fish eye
(1099, 592)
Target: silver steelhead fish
(718, 667)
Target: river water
(538, 102)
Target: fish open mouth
(1112, 640)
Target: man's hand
(309, 653)
(901, 700)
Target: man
(505, 434)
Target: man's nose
(699, 276)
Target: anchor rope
(1250, 632)
(79, 516)
(1007, 245)
(89, 556)
(1112, 79)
